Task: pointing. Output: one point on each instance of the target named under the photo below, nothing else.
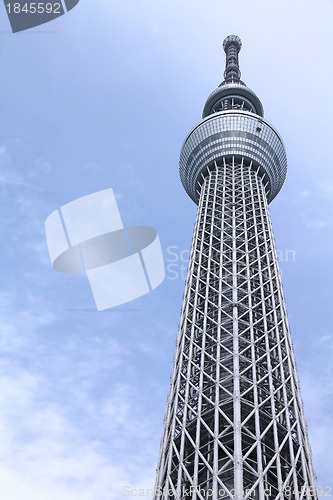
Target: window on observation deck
(233, 103)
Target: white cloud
(23, 175)
(59, 440)
(3, 150)
(44, 455)
(317, 393)
(317, 396)
(325, 189)
(305, 194)
(155, 28)
(317, 224)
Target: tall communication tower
(234, 426)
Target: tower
(234, 426)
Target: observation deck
(233, 124)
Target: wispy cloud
(303, 195)
(59, 437)
(312, 205)
(317, 224)
(45, 456)
(317, 392)
(8, 176)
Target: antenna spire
(232, 45)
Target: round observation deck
(233, 133)
(235, 96)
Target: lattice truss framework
(234, 423)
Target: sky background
(104, 97)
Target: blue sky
(103, 97)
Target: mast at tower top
(232, 45)
(232, 93)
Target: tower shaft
(234, 423)
(235, 426)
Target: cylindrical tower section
(233, 133)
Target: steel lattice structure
(235, 425)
